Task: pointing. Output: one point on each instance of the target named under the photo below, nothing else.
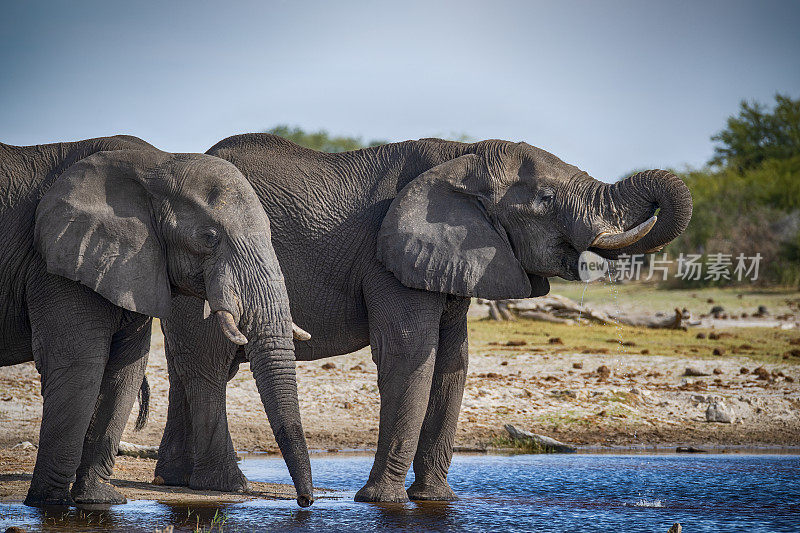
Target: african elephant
(385, 246)
(99, 234)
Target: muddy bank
(132, 477)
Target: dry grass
(762, 344)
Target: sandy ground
(641, 400)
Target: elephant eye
(547, 198)
(211, 237)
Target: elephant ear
(438, 236)
(95, 225)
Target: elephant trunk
(640, 214)
(273, 367)
(247, 293)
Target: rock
(555, 340)
(789, 379)
(762, 373)
(577, 366)
(356, 368)
(717, 371)
(698, 398)
(15, 529)
(718, 351)
(347, 405)
(717, 311)
(676, 528)
(689, 449)
(328, 366)
(604, 372)
(137, 450)
(691, 371)
(548, 444)
(701, 335)
(7, 398)
(516, 343)
(564, 393)
(744, 370)
(762, 311)
(504, 363)
(719, 412)
(25, 445)
(645, 351)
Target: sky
(608, 86)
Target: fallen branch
(562, 310)
(137, 450)
(547, 444)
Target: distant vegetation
(321, 140)
(747, 199)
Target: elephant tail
(144, 404)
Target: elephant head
(500, 218)
(137, 226)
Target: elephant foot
(94, 494)
(48, 497)
(437, 492)
(229, 480)
(172, 477)
(382, 492)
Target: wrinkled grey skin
(97, 236)
(385, 246)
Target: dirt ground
(608, 396)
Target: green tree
(321, 140)
(757, 134)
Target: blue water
(626, 493)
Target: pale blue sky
(608, 86)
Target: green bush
(748, 199)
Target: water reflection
(510, 493)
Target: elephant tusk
(206, 309)
(615, 241)
(300, 334)
(228, 325)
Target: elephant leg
(71, 330)
(121, 381)
(200, 357)
(404, 331)
(435, 448)
(214, 466)
(175, 456)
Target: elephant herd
(383, 246)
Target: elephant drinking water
(384, 247)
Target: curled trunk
(627, 206)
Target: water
(754, 493)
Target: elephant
(384, 247)
(100, 234)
